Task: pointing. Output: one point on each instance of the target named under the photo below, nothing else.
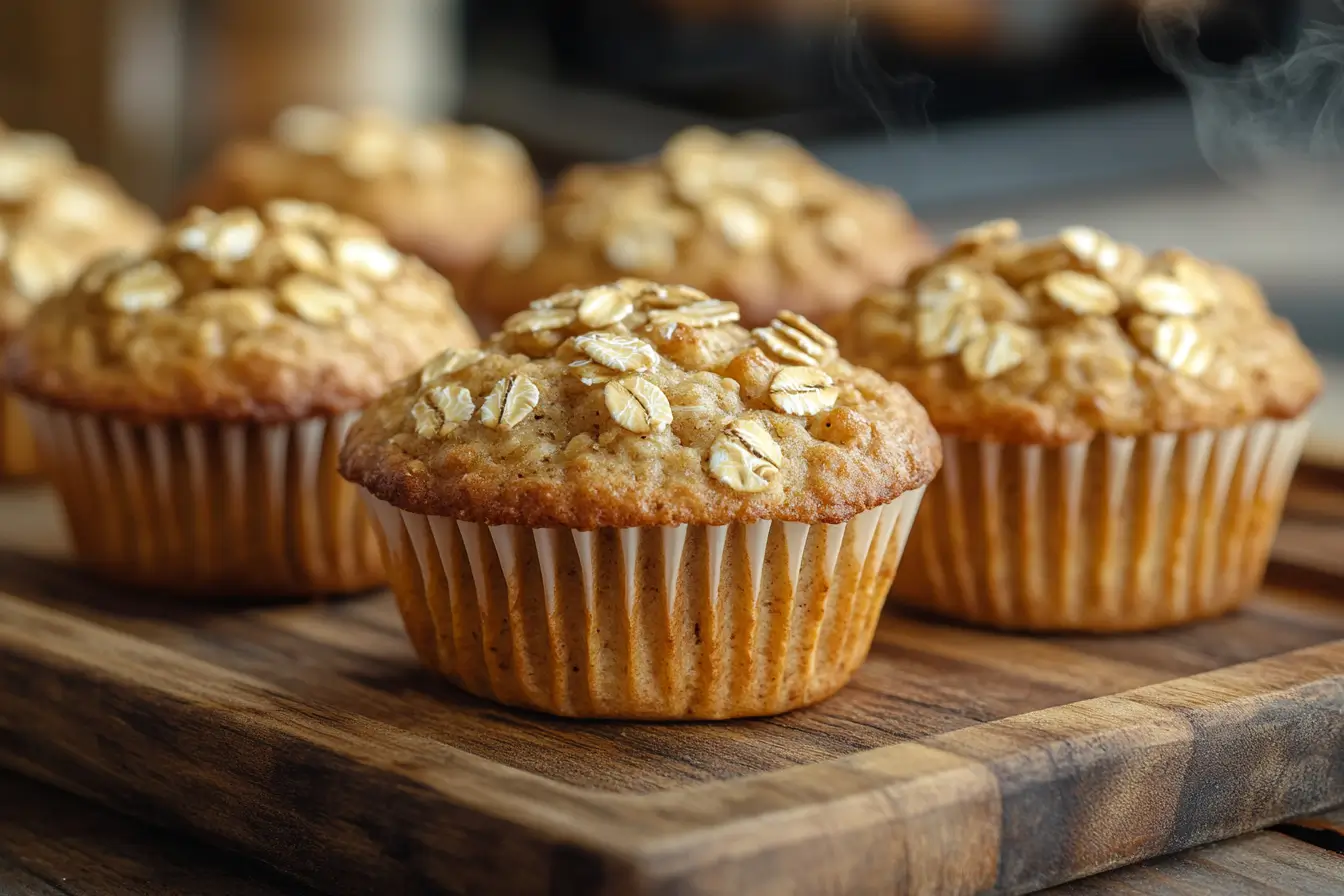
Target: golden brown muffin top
(56, 216)
(755, 219)
(637, 404)
(292, 312)
(1054, 340)
(445, 191)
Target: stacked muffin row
(626, 503)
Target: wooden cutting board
(958, 761)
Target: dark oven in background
(689, 60)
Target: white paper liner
(210, 508)
(1108, 535)
(658, 623)
(18, 455)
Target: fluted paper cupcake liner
(210, 508)
(656, 623)
(18, 456)
(1108, 535)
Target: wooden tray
(958, 761)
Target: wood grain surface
(52, 844)
(959, 761)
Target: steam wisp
(1281, 112)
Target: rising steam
(900, 102)
(1279, 112)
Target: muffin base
(210, 508)
(18, 454)
(685, 622)
(1115, 534)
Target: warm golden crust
(1057, 340)
(635, 418)
(753, 219)
(290, 313)
(55, 217)
(448, 193)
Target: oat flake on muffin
(634, 461)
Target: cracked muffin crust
(445, 192)
(637, 404)
(753, 219)
(292, 312)
(1056, 340)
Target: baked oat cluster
(55, 217)
(753, 217)
(367, 145)
(636, 404)
(1059, 338)
(446, 192)
(291, 311)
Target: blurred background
(1212, 125)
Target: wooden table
(53, 844)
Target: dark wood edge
(1318, 835)
(1324, 830)
(994, 790)
(982, 808)
(1310, 470)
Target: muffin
(448, 193)
(753, 219)
(1119, 429)
(628, 506)
(189, 402)
(56, 216)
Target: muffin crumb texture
(1055, 340)
(637, 404)
(752, 218)
(290, 312)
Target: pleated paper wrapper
(655, 623)
(1114, 534)
(210, 509)
(18, 455)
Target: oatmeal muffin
(189, 402)
(628, 506)
(754, 219)
(1119, 428)
(56, 216)
(445, 192)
